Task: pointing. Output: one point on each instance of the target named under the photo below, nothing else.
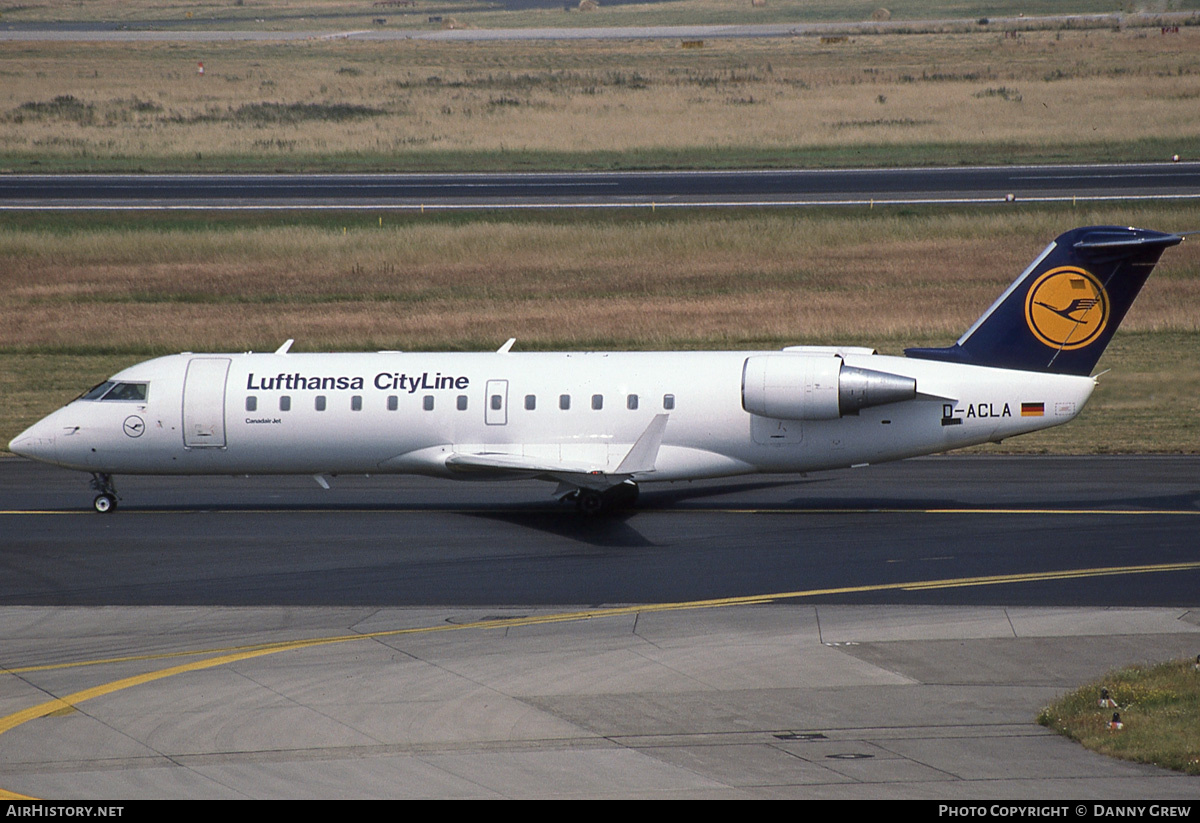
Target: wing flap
(506, 463)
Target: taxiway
(887, 632)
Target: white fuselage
(410, 412)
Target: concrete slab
(749, 701)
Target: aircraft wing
(640, 459)
(503, 463)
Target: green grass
(1159, 708)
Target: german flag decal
(1033, 409)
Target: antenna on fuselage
(287, 344)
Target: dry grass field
(1129, 94)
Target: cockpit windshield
(97, 391)
(108, 390)
(128, 391)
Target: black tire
(591, 501)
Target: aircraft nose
(36, 443)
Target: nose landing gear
(107, 498)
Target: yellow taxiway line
(233, 654)
(223, 656)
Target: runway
(883, 632)
(783, 187)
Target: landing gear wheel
(590, 501)
(106, 500)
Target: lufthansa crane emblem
(134, 426)
(1067, 308)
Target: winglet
(644, 453)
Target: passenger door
(204, 402)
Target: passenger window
(356, 403)
(429, 402)
(285, 403)
(530, 402)
(462, 402)
(251, 403)
(597, 402)
(320, 404)
(668, 401)
(631, 402)
(564, 401)
(393, 402)
(497, 402)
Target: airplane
(600, 423)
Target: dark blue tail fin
(1061, 312)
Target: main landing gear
(593, 501)
(106, 500)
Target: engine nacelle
(806, 387)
